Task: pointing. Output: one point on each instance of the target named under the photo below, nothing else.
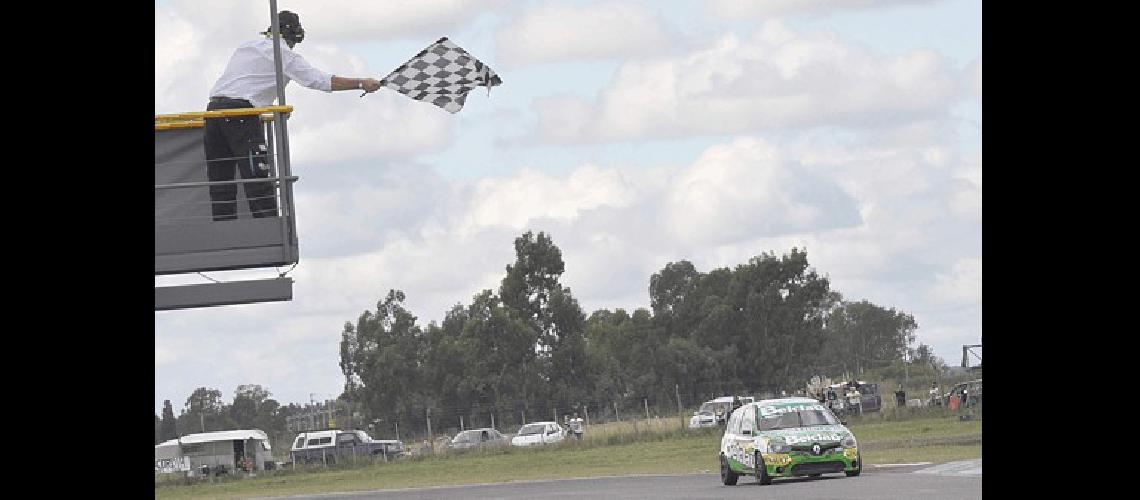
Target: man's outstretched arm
(366, 84)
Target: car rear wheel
(726, 475)
(762, 476)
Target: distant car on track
(786, 437)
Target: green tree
(247, 407)
(531, 291)
(499, 353)
(868, 335)
(383, 354)
(202, 412)
(169, 427)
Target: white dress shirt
(250, 73)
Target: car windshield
(796, 418)
(467, 437)
(530, 429)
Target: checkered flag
(441, 74)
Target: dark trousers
(237, 144)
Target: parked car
(478, 438)
(539, 433)
(335, 445)
(714, 412)
(786, 437)
(836, 398)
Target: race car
(786, 437)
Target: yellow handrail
(180, 124)
(198, 115)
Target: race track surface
(956, 480)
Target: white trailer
(215, 453)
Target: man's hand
(371, 85)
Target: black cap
(290, 24)
(288, 19)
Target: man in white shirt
(238, 143)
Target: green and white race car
(786, 437)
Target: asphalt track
(947, 481)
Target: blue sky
(708, 131)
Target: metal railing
(199, 225)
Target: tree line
(528, 349)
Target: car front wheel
(762, 476)
(856, 472)
(726, 475)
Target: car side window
(747, 420)
(734, 423)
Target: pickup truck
(331, 446)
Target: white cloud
(530, 195)
(776, 78)
(974, 78)
(355, 20)
(962, 284)
(562, 32)
(733, 9)
(746, 189)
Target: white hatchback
(539, 433)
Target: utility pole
(431, 442)
(677, 391)
(906, 366)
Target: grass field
(658, 446)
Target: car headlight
(778, 447)
(849, 442)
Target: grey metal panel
(179, 156)
(221, 260)
(223, 294)
(222, 235)
(186, 239)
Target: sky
(635, 133)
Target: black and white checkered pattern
(441, 74)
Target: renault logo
(815, 449)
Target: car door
(730, 444)
(746, 434)
(346, 444)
